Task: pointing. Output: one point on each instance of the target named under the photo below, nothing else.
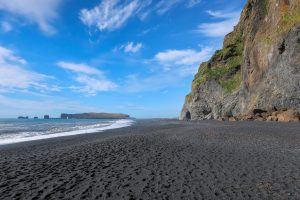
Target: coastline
(158, 159)
(120, 123)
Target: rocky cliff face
(257, 68)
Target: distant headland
(94, 116)
(91, 115)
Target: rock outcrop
(94, 116)
(257, 68)
(22, 117)
(283, 115)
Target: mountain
(258, 67)
(94, 116)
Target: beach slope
(158, 159)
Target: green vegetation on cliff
(265, 7)
(224, 66)
(261, 54)
(233, 83)
(289, 17)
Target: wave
(31, 136)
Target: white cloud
(192, 3)
(146, 31)
(110, 15)
(221, 28)
(14, 75)
(183, 59)
(92, 86)
(224, 15)
(90, 80)
(165, 5)
(5, 27)
(7, 55)
(79, 68)
(168, 68)
(34, 11)
(130, 47)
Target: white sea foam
(27, 136)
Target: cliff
(94, 116)
(257, 68)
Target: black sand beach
(158, 159)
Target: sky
(137, 57)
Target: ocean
(22, 130)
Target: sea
(22, 130)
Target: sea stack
(257, 68)
(22, 117)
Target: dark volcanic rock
(258, 111)
(258, 67)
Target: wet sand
(158, 159)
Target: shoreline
(115, 125)
(158, 159)
(108, 131)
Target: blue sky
(131, 56)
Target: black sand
(158, 160)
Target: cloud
(93, 85)
(130, 47)
(223, 14)
(221, 28)
(183, 59)
(111, 15)
(164, 6)
(33, 11)
(5, 27)
(168, 68)
(7, 55)
(90, 80)
(14, 75)
(192, 3)
(79, 68)
(146, 31)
